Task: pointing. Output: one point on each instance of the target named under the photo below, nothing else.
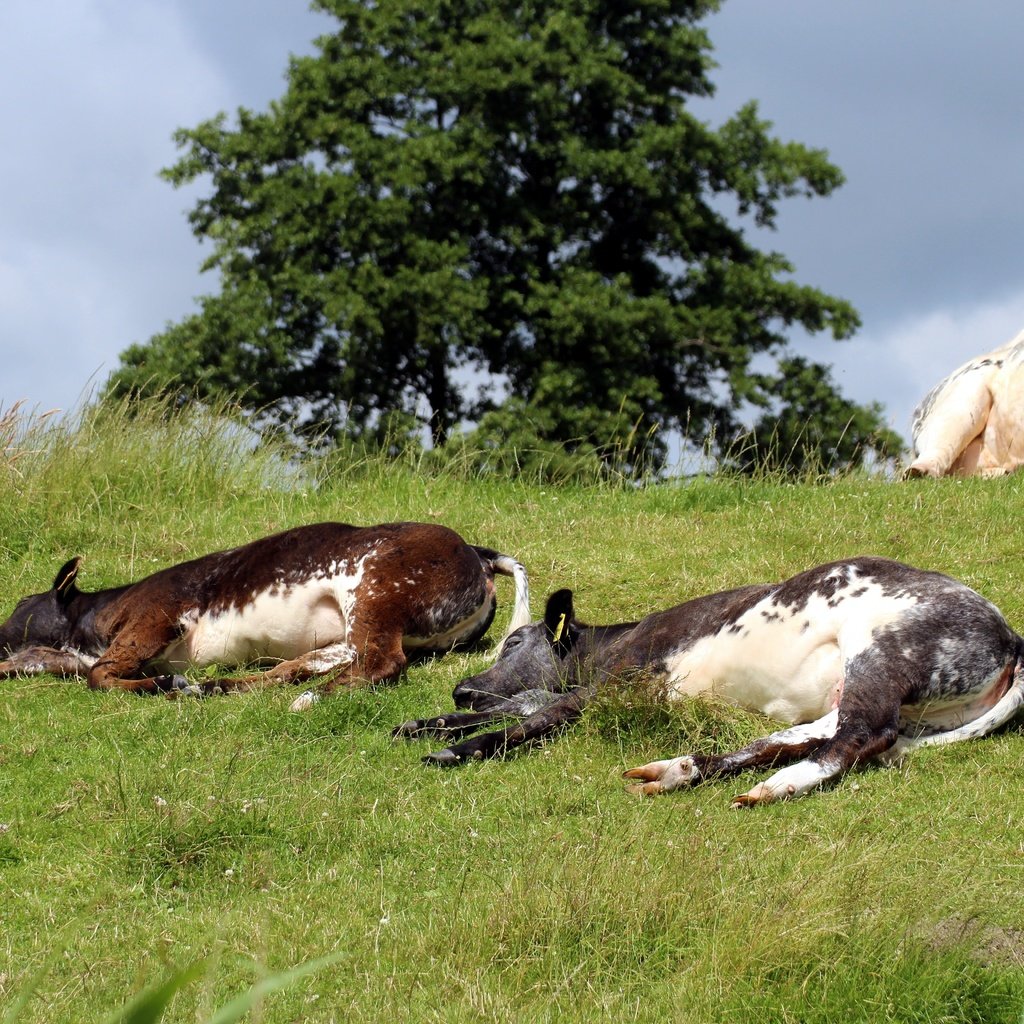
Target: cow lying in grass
(869, 658)
(972, 422)
(343, 603)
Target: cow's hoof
(663, 776)
(407, 730)
(305, 701)
(644, 788)
(760, 794)
(179, 686)
(445, 758)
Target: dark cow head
(535, 657)
(41, 620)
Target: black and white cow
(347, 604)
(867, 657)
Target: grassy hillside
(139, 835)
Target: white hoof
(663, 776)
(305, 701)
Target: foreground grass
(138, 836)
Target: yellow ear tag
(560, 627)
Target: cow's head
(41, 620)
(535, 657)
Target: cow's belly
(447, 637)
(788, 662)
(275, 625)
(936, 715)
(800, 682)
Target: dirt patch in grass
(988, 944)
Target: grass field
(139, 836)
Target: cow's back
(318, 585)
(788, 653)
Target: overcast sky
(920, 102)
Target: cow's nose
(463, 694)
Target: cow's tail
(506, 565)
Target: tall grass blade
(241, 1005)
(149, 1005)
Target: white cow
(972, 422)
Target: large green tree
(452, 191)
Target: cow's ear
(64, 581)
(558, 620)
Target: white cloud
(899, 363)
(91, 240)
(95, 248)
(930, 347)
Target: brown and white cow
(867, 657)
(972, 422)
(347, 604)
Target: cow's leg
(458, 723)
(865, 730)
(332, 658)
(367, 664)
(999, 714)
(446, 727)
(865, 726)
(562, 709)
(786, 745)
(332, 661)
(124, 658)
(118, 667)
(335, 665)
(869, 724)
(869, 727)
(957, 417)
(35, 661)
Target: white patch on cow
(85, 660)
(785, 662)
(792, 781)
(280, 624)
(822, 729)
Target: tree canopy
(461, 202)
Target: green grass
(142, 836)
